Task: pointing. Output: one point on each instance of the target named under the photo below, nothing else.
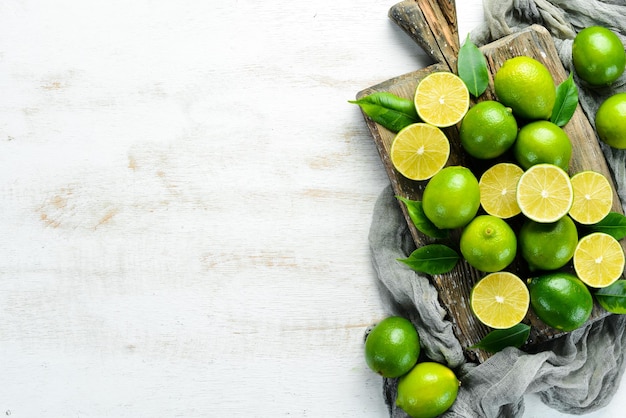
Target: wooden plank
(433, 25)
(454, 288)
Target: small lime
(526, 86)
(488, 130)
(428, 390)
(542, 142)
(560, 300)
(611, 121)
(488, 243)
(451, 198)
(392, 347)
(548, 246)
(598, 55)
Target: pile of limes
(599, 60)
(518, 201)
(426, 389)
(524, 205)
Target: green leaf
(472, 68)
(388, 110)
(432, 259)
(613, 224)
(421, 222)
(499, 339)
(566, 102)
(613, 298)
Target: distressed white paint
(186, 196)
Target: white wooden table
(186, 199)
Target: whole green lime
(611, 121)
(451, 198)
(488, 130)
(542, 142)
(598, 55)
(561, 300)
(392, 347)
(428, 390)
(548, 246)
(526, 86)
(488, 243)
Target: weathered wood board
(454, 287)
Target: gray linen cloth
(575, 374)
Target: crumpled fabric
(575, 374)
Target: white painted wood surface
(186, 197)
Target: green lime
(451, 198)
(542, 142)
(611, 121)
(526, 86)
(428, 390)
(560, 300)
(598, 55)
(548, 246)
(488, 243)
(488, 130)
(392, 347)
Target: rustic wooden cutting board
(433, 25)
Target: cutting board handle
(433, 25)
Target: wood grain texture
(454, 287)
(433, 25)
(186, 199)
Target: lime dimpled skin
(392, 347)
(598, 56)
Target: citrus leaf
(613, 297)
(566, 102)
(432, 259)
(499, 339)
(388, 110)
(472, 68)
(421, 222)
(613, 224)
